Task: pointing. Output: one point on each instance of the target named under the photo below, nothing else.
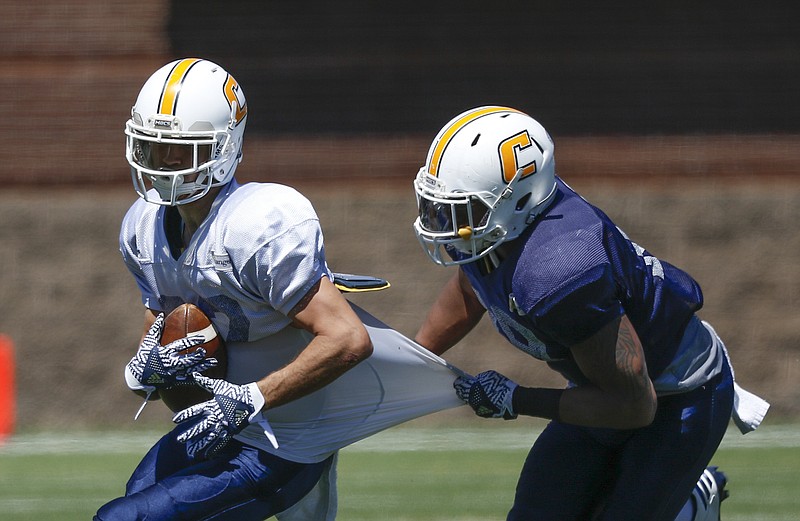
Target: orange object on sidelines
(7, 399)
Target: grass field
(405, 474)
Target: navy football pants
(241, 483)
(575, 473)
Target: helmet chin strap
(171, 192)
(490, 262)
(481, 246)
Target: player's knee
(120, 509)
(106, 513)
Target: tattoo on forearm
(629, 356)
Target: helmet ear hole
(523, 201)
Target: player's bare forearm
(340, 342)
(454, 313)
(320, 363)
(621, 395)
(592, 407)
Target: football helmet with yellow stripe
(489, 172)
(185, 132)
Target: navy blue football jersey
(573, 272)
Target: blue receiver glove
(160, 367)
(216, 421)
(489, 394)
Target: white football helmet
(489, 172)
(186, 130)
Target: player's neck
(193, 214)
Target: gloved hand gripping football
(160, 367)
(216, 421)
(489, 394)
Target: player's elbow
(365, 347)
(642, 411)
(359, 347)
(642, 416)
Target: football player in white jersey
(650, 389)
(307, 372)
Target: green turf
(440, 485)
(763, 483)
(403, 475)
(69, 486)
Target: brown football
(183, 321)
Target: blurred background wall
(681, 120)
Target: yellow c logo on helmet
(233, 95)
(448, 133)
(509, 150)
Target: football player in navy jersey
(650, 388)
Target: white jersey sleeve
(277, 250)
(137, 230)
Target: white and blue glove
(489, 394)
(161, 367)
(215, 422)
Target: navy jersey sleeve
(579, 308)
(564, 278)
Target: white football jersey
(254, 257)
